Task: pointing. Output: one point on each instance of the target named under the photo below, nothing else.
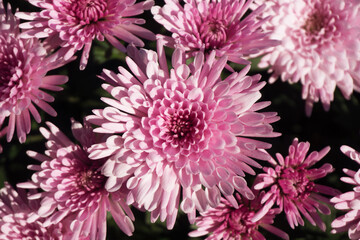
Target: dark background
(339, 126)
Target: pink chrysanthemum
(320, 47)
(74, 188)
(23, 66)
(219, 25)
(15, 209)
(349, 201)
(74, 24)
(229, 223)
(292, 185)
(186, 130)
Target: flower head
(320, 47)
(74, 188)
(292, 185)
(186, 130)
(227, 222)
(349, 201)
(74, 24)
(214, 25)
(15, 209)
(23, 66)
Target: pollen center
(90, 180)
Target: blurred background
(339, 126)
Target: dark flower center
(180, 125)
(295, 184)
(90, 180)
(240, 221)
(314, 23)
(81, 179)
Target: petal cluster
(15, 210)
(320, 47)
(74, 24)
(223, 26)
(24, 64)
(349, 201)
(229, 223)
(185, 133)
(73, 186)
(291, 185)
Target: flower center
(314, 23)
(90, 180)
(213, 33)
(87, 11)
(240, 221)
(294, 183)
(11, 61)
(179, 125)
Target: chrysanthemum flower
(349, 201)
(23, 66)
(219, 25)
(229, 223)
(15, 209)
(73, 186)
(320, 47)
(292, 185)
(74, 24)
(187, 132)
